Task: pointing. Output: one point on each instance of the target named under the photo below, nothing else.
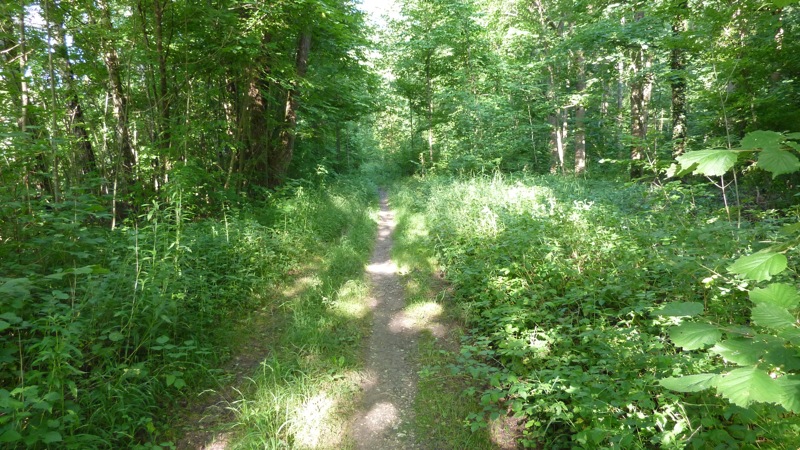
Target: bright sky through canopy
(377, 9)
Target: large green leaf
(778, 294)
(771, 316)
(747, 385)
(692, 336)
(779, 355)
(744, 352)
(790, 392)
(712, 163)
(760, 266)
(764, 140)
(689, 383)
(778, 162)
(783, 3)
(680, 309)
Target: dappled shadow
(386, 418)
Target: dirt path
(385, 420)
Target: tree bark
(118, 98)
(580, 115)
(678, 81)
(279, 160)
(429, 98)
(75, 118)
(641, 90)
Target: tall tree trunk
(232, 126)
(257, 133)
(53, 100)
(162, 94)
(118, 98)
(280, 159)
(580, 115)
(678, 81)
(429, 99)
(26, 121)
(641, 89)
(85, 157)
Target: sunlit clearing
(350, 299)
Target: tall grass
(304, 393)
(101, 329)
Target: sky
(378, 8)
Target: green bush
(561, 281)
(101, 329)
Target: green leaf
(4, 325)
(771, 316)
(689, 383)
(116, 336)
(680, 309)
(759, 266)
(171, 379)
(712, 163)
(778, 162)
(783, 4)
(747, 385)
(10, 436)
(51, 436)
(765, 140)
(788, 230)
(790, 392)
(691, 336)
(162, 340)
(778, 355)
(744, 352)
(778, 294)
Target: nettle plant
(763, 357)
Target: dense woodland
(609, 190)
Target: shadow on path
(385, 420)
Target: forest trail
(385, 419)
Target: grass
(440, 407)
(304, 393)
(558, 280)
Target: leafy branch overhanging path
(385, 419)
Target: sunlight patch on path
(386, 419)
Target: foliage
(101, 329)
(561, 281)
(764, 352)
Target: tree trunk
(279, 160)
(429, 98)
(641, 89)
(580, 115)
(118, 98)
(85, 156)
(162, 96)
(678, 82)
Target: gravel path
(386, 416)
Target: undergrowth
(558, 280)
(102, 329)
(302, 396)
